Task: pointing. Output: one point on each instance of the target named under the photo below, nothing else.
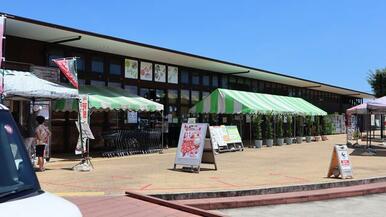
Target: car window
(16, 171)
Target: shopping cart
(130, 142)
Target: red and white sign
(83, 107)
(340, 164)
(68, 68)
(83, 111)
(191, 144)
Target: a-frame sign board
(192, 149)
(340, 163)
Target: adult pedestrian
(42, 135)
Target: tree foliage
(258, 121)
(377, 81)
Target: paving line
(80, 193)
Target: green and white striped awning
(107, 98)
(223, 101)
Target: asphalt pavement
(371, 205)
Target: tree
(268, 127)
(258, 121)
(377, 81)
(279, 127)
(288, 133)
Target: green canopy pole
(250, 131)
(162, 132)
(294, 120)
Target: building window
(214, 81)
(172, 96)
(144, 92)
(195, 96)
(185, 97)
(195, 78)
(224, 81)
(98, 83)
(115, 68)
(233, 83)
(97, 65)
(160, 96)
(52, 57)
(114, 84)
(184, 77)
(131, 89)
(172, 109)
(205, 80)
(80, 62)
(205, 94)
(254, 86)
(80, 65)
(147, 93)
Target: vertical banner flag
(83, 118)
(68, 67)
(83, 107)
(2, 25)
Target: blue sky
(335, 42)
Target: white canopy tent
(19, 84)
(372, 107)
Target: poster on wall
(159, 73)
(173, 74)
(217, 136)
(146, 72)
(132, 117)
(131, 69)
(233, 133)
(191, 144)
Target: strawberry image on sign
(191, 142)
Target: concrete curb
(271, 190)
(173, 205)
(285, 198)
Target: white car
(20, 192)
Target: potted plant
(317, 129)
(288, 131)
(258, 135)
(268, 130)
(279, 131)
(308, 129)
(299, 130)
(326, 128)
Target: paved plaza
(354, 206)
(252, 168)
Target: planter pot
(299, 139)
(280, 141)
(269, 142)
(317, 138)
(288, 141)
(258, 143)
(308, 139)
(324, 138)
